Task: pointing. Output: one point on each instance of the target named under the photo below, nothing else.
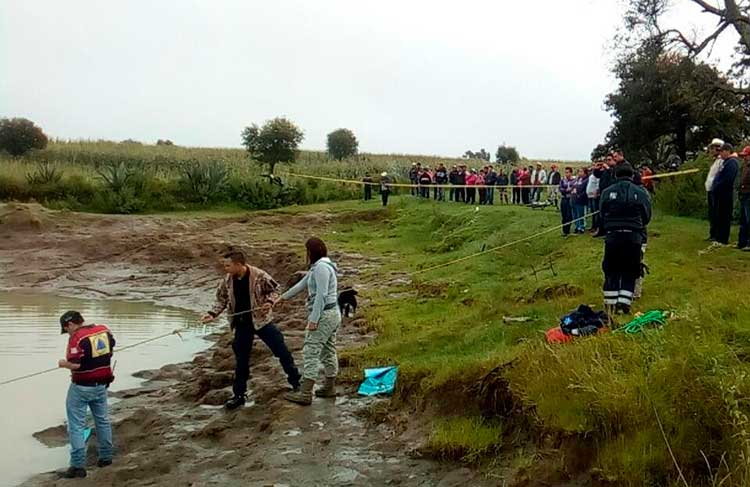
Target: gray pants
(320, 346)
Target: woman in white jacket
(323, 322)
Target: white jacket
(542, 177)
(592, 188)
(715, 168)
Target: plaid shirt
(263, 290)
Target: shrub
(19, 136)
(342, 144)
(45, 173)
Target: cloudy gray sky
(407, 76)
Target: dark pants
(516, 196)
(461, 194)
(566, 210)
(384, 197)
(621, 266)
(243, 346)
(711, 215)
(526, 196)
(482, 196)
(724, 207)
(490, 196)
(471, 195)
(594, 210)
(368, 192)
(744, 239)
(425, 192)
(414, 190)
(452, 194)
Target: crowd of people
(575, 192)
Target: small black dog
(348, 302)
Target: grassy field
(592, 404)
(114, 177)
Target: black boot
(73, 473)
(235, 402)
(104, 463)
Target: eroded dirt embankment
(172, 430)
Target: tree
(482, 155)
(164, 142)
(645, 20)
(277, 141)
(600, 151)
(667, 103)
(342, 144)
(507, 155)
(19, 135)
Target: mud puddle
(30, 341)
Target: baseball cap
(745, 151)
(718, 142)
(69, 316)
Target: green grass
(446, 332)
(464, 438)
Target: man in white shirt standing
(538, 178)
(713, 151)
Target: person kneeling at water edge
(322, 324)
(625, 212)
(88, 357)
(249, 293)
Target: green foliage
(666, 102)
(482, 155)
(342, 144)
(278, 141)
(45, 173)
(507, 155)
(466, 439)
(204, 182)
(19, 136)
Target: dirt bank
(171, 431)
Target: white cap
(384, 174)
(717, 142)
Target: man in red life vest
(88, 358)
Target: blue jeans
(80, 398)
(579, 211)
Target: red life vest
(91, 346)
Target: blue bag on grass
(381, 380)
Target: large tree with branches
(647, 19)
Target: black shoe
(622, 309)
(235, 402)
(104, 463)
(73, 473)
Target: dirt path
(172, 431)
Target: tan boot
(304, 395)
(328, 389)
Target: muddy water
(30, 341)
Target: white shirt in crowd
(715, 168)
(592, 188)
(542, 174)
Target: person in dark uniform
(248, 293)
(626, 212)
(88, 358)
(368, 186)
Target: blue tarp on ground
(381, 380)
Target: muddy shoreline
(172, 430)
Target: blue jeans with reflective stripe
(81, 398)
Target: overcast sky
(407, 76)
